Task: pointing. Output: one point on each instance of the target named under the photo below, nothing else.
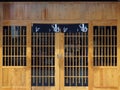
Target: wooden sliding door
(105, 56)
(59, 56)
(44, 61)
(75, 61)
(15, 72)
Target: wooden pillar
(1, 19)
(90, 57)
(118, 42)
(56, 60)
(61, 61)
(28, 66)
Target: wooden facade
(100, 76)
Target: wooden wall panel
(14, 77)
(104, 78)
(7, 11)
(59, 11)
(105, 88)
(109, 11)
(1, 12)
(13, 11)
(31, 11)
(95, 9)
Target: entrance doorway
(60, 56)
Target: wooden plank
(57, 61)
(60, 11)
(118, 43)
(110, 88)
(44, 88)
(104, 77)
(1, 55)
(61, 61)
(1, 37)
(11, 76)
(28, 57)
(13, 88)
(75, 88)
(90, 56)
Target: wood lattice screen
(43, 59)
(105, 45)
(14, 46)
(76, 59)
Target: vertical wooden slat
(5, 50)
(82, 57)
(61, 61)
(17, 47)
(105, 46)
(1, 55)
(90, 56)
(73, 60)
(102, 48)
(111, 46)
(113, 40)
(79, 60)
(37, 59)
(85, 55)
(20, 45)
(10, 48)
(28, 56)
(67, 58)
(23, 48)
(14, 46)
(49, 59)
(57, 62)
(118, 42)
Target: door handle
(59, 56)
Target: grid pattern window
(14, 45)
(105, 45)
(76, 59)
(43, 59)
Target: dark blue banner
(65, 28)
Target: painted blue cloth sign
(65, 28)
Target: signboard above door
(65, 28)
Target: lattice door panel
(105, 56)
(105, 45)
(14, 57)
(14, 46)
(43, 59)
(76, 59)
